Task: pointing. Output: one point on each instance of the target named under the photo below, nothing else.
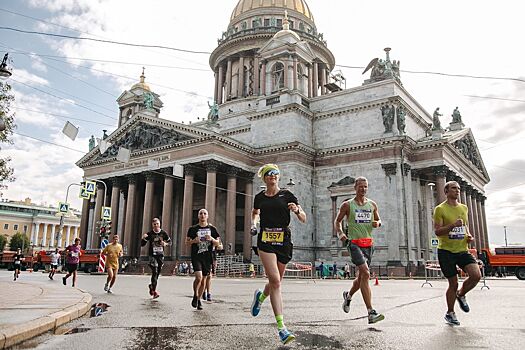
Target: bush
(3, 242)
(19, 240)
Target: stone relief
(468, 148)
(345, 181)
(401, 119)
(388, 112)
(144, 136)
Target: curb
(16, 334)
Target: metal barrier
(299, 270)
(432, 271)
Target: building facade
(277, 100)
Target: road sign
(434, 242)
(63, 207)
(106, 213)
(90, 187)
(83, 193)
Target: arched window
(277, 77)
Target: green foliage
(19, 240)
(3, 242)
(8, 117)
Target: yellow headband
(266, 168)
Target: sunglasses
(272, 172)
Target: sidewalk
(30, 308)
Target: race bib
(202, 233)
(17, 262)
(273, 235)
(158, 250)
(457, 233)
(74, 254)
(363, 216)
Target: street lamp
(505, 231)
(5, 69)
(61, 223)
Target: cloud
(25, 77)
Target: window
(25, 228)
(15, 227)
(6, 226)
(279, 23)
(277, 76)
(266, 22)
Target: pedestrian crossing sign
(83, 193)
(106, 213)
(90, 187)
(63, 207)
(434, 242)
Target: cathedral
(278, 99)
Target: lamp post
(505, 231)
(61, 224)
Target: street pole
(505, 230)
(61, 224)
(103, 204)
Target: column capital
(416, 174)
(211, 165)
(440, 170)
(389, 168)
(149, 176)
(232, 171)
(469, 190)
(247, 175)
(483, 198)
(189, 169)
(406, 168)
(117, 182)
(166, 171)
(132, 178)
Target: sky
(58, 79)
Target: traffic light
(103, 231)
(108, 228)
(98, 226)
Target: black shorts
(202, 262)
(448, 261)
(54, 266)
(359, 254)
(71, 267)
(284, 252)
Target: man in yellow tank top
(451, 228)
(363, 216)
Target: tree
(19, 240)
(7, 117)
(3, 242)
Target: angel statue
(213, 115)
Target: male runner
(17, 262)
(363, 216)
(73, 253)
(55, 261)
(202, 237)
(113, 251)
(451, 228)
(157, 239)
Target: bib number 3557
(272, 236)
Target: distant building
(39, 223)
(277, 99)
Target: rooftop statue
(213, 115)
(91, 143)
(436, 124)
(148, 100)
(456, 116)
(383, 69)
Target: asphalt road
(414, 317)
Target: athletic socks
(280, 322)
(262, 297)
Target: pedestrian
(158, 239)
(202, 237)
(452, 230)
(363, 216)
(73, 253)
(334, 270)
(17, 262)
(347, 271)
(55, 261)
(272, 206)
(251, 270)
(113, 252)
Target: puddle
(77, 330)
(372, 329)
(317, 341)
(151, 338)
(98, 309)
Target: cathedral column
(310, 80)
(263, 78)
(167, 204)
(475, 219)
(323, 81)
(115, 201)
(256, 75)
(462, 193)
(468, 191)
(286, 73)
(148, 207)
(211, 188)
(122, 219)
(248, 205)
(315, 81)
(240, 84)
(220, 84)
(484, 223)
(231, 196)
(295, 83)
(187, 208)
(440, 172)
(130, 213)
(99, 202)
(480, 222)
(84, 221)
(334, 215)
(216, 88)
(229, 80)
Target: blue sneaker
(286, 336)
(256, 304)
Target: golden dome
(141, 84)
(293, 5)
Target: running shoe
(194, 301)
(462, 301)
(50, 277)
(155, 294)
(374, 317)
(109, 291)
(208, 297)
(347, 298)
(151, 291)
(106, 287)
(199, 305)
(64, 280)
(286, 336)
(256, 304)
(451, 318)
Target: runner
(17, 262)
(202, 237)
(207, 289)
(451, 228)
(158, 239)
(55, 261)
(272, 206)
(113, 251)
(73, 253)
(363, 216)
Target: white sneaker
(106, 287)
(347, 298)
